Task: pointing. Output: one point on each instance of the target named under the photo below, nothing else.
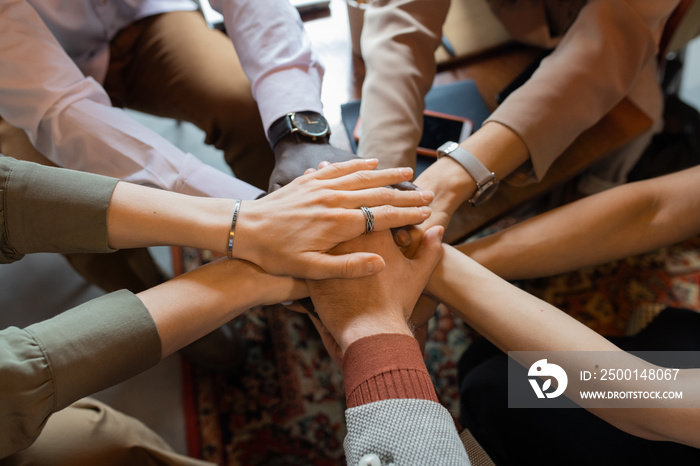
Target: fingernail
(427, 195)
(406, 171)
(426, 210)
(403, 239)
(374, 266)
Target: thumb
(353, 265)
(430, 250)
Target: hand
(422, 312)
(289, 232)
(293, 158)
(195, 303)
(448, 181)
(383, 303)
(261, 288)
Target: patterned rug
(287, 407)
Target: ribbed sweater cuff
(385, 366)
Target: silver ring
(369, 217)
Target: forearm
(53, 363)
(517, 321)
(618, 223)
(48, 209)
(391, 400)
(70, 120)
(508, 316)
(198, 302)
(385, 360)
(89, 135)
(139, 216)
(496, 146)
(583, 78)
(399, 38)
(276, 55)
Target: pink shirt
(53, 61)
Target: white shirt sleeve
(276, 55)
(69, 117)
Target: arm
(56, 210)
(571, 90)
(499, 148)
(287, 232)
(516, 321)
(70, 120)
(369, 322)
(399, 39)
(584, 77)
(276, 55)
(285, 76)
(388, 385)
(620, 222)
(49, 365)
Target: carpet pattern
(287, 408)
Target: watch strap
(279, 129)
(486, 182)
(466, 159)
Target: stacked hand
(293, 158)
(355, 308)
(289, 231)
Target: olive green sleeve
(48, 209)
(49, 365)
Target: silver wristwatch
(486, 182)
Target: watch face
(310, 123)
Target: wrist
(207, 227)
(304, 126)
(451, 184)
(294, 142)
(249, 228)
(372, 323)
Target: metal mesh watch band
(486, 182)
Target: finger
(421, 334)
(323, 164)
(309, 170)
(295, 306)
(363, 179)
(424, 310)
(337, 170)
(416, 233)
(373, 197)
(405, 186)
(429, 252)
(353, 265)
(332, 347)
(401, 237)
(386, 217)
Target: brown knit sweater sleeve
(385, 366)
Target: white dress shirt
(52, 61)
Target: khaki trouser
(171, 65)
(90, 433)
